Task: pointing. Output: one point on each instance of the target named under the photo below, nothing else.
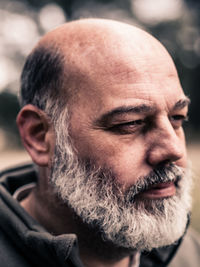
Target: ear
(36, 133)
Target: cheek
(128, 163)
(125, 158)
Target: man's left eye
(178, 120)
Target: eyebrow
(125, 110)
(139, 109)
(182, 103)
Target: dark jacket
(25, 243)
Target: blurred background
(176, 23)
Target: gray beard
(121, 218)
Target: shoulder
(189, 252)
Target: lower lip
(159, 191)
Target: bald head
(79, 53)
(82, 37)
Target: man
(102, 114)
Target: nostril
(164, 162)
(161, 163)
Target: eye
(178, 120)
(127, 127)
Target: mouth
(160, 190)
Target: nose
(166, 145)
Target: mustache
(161, 174)
(104, 178)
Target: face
(129, 118)
(127, 124)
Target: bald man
(101, 117)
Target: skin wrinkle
(125, 110)
(90, 58)
(109, 65)
(105, 118)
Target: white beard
(122, 220)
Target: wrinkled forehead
(129, 64)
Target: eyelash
(180, 117)
(127, 127)
(179, 120)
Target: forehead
(128, 79)
(114, 67)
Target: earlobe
(36, 134)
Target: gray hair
(42, 80)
